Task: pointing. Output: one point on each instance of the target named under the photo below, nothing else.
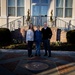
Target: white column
(73, 13)
(27, 6)
(3, 8)
(3, 12)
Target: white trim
(54, 8)
(63, 8)
(31, 6)
(7, 8)
(3, 16)
(24, 7)
(1, 7)
(15, 8)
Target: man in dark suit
(46, 36)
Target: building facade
(40, 10)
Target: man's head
(38, 27)
(45, 24)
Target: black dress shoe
(49, 56)
(35, 54)
(45, 54)
(30, 56)
(39, 55)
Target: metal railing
(63, 25)
(15, 24)
(57, 22)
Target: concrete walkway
(16, 62)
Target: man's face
(38, 28)
(45, 24)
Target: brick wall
(58, 35)
(54, 34)
(63, 36)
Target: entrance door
(39, 11)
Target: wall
(19, 34)
(28, 6)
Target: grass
(54, 46)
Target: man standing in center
(38, 40)
(46, 35)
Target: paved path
(16, 62)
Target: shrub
(5, 36)
(71, 36)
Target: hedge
(5, 36)
(71, 36)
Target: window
(0, 7)
(20, 8)
(64, 8)
(59, 8)
(39, 7)
(68, 8)
(11, 7)
(35, 10)
(40, 11)
(44, 1)
(44, 10)
(15, 7)
(35, 1)
(40, 1)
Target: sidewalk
(16, 62)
